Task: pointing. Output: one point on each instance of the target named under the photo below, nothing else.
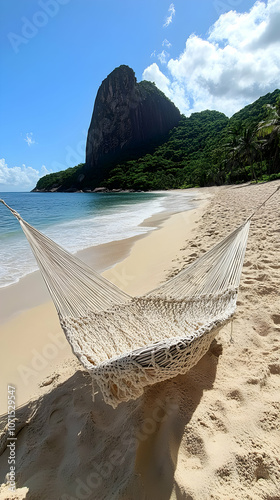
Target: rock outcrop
(129, 118)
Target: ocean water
(76, 221)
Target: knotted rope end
(16, 214)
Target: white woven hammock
(127, 343)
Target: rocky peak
(128, 118)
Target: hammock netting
(128, 343)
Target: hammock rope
(127, 343)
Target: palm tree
(248, 148)
(272, 123)
(232, 150)
(269, 129)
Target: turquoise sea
(76, 221)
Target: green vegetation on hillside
(178, 162)
(205, 149)
(65, 179)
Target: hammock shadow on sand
(128, 343)
(134, 447)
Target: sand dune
(211, 434)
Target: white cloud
(166, 43)
(171, 89)
(238, 62)
(29, 139)
(19, 178)
(44, 171)
(169, 18)
(153, 74)
(163, 56)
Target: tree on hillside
(271, 125)
(233, 159)
(269, 130)
(248, 149)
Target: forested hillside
(206, 148)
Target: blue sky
(55, 53)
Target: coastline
(29, 328)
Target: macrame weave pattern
(127, 343)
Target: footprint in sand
(274, 368)
(253, 381)
(236, 395)
(217, 423)
(249, 282)
(194, 445)
(247, 263)
(270, 417)
(224, 472)
(262, 328)
(265, 290)
(262, 277)
(266, 261)
(57, 416)
(251, 467)
(276, 319)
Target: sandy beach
(210, 434)
(29, 326)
